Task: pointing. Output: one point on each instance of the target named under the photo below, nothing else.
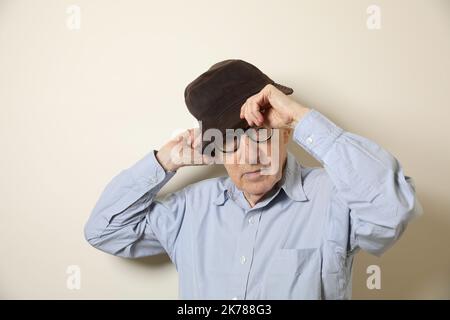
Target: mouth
(252, 174)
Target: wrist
(165, 161)
(298, 113)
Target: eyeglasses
(231, 141)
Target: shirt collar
(222, 197)
(291, 183)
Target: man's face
(244, 166)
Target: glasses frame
(239, 136)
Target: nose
(248, 151)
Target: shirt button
(309, 140)
(243, 259)
(234, 298)
(152, 180)
(251, 220)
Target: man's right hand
(183, 150)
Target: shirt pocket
(294, 274)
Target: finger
(178, 138)
(197, 139)
(248, 117)
(245, 114)
(253, 117)
(188, 138)
(243, 108)
(257, 115)
(252, 112)
(181, 138)
(194, 137)
(260, 98)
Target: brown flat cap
(216, 96)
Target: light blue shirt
(298, 243)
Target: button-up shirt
(297, 243)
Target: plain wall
(78, 106)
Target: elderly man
(272, 229)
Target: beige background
(76, 107)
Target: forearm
(126, 197)
(367, 179)
(357, 165)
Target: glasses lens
(229, 143)
(259, 134)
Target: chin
(264, 185)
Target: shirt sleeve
(127, 221)
(368, 180)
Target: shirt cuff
(316, 134)
(149, 172)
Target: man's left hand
(273, 109)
